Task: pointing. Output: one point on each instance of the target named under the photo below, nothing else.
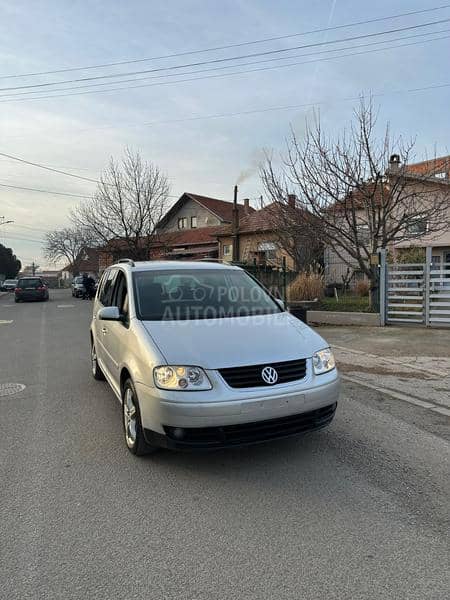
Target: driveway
(409, 363)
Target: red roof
(431, 167)
(186, 237)
(88, 262)
(183, 237)
(265, 219)
(221, 208)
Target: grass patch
(345, 304)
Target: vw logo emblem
(269, 375)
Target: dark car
(31, 288)
(78, 289)
(9, 285)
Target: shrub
(362, 288)
(308, 285)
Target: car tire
(97, 373)
(132, 425)
(16, 300)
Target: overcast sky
(206, 156)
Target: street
(356, 511)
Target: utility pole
(34, 266)
(235, 227)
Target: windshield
(199, 294)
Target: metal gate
(405, 293)
(418, 293)
(439, 294)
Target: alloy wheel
(130, 418)
(94, 360)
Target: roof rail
(128, 261)
(213, 260)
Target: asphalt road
(357, 511)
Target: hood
(232, 342)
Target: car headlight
(323, 361)
(181, 378)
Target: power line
(228, 59)
(229, 46)
(27, 162)
(18, 187)
(284, 58)
(268, 68)
(240, 113)
(30, 228)
(20, 239)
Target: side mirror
(280, 303)
(109, 313)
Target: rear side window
(120, 294)
(107, 286)
(29, 283)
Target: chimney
(246, 205)
(394, 163)
(292, 200)
(235, 226)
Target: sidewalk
(410, 363)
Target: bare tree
(359, 189)
(294, 231)
(130, 200)
(67, 244)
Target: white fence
(417, 293)
(405, 293)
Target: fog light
(178, 433)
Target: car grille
(251, 376)
(258, 431)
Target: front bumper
(222, 407)
(244, 434)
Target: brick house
(88, 261)
(186, 232)
(265, 235)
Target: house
(432, 178)
(267, 236)
(192, 211)
(88, 261)
(439, 170)
(186, 232)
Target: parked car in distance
(202, 356)
(78, 289)
(31, 288)
(9, 285)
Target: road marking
(392, 361)
(65, 305)
(6, 322)
(398, 395)
(8, 389)
(7, 305)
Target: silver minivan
(202, 356)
